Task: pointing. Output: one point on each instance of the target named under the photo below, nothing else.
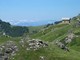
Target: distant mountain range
(38, 23)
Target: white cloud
(15, 22)
(25, 22)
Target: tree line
(14, 31)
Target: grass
(50, 34)
(52, 52)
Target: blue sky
(36, 12)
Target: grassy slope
(52, 52)
(52, 32)
(37, 28)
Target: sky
(37, 12)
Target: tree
(12, 30)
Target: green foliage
(14, 31)
(18, 31)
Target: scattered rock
(69, 38)
(66, 41)
(33, 44)
(8, 49)
(62, 46)
(42, 58)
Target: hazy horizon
(37, 12)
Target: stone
(27, 48)
(62, 46)
(9, 48)
(42, 58)
(35, 44)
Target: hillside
(35, 29)
(52, 32)
(50, 35)
(10, 30)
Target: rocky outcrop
(8, 49)
(62, 46)
(33, 44)
(67, 40)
